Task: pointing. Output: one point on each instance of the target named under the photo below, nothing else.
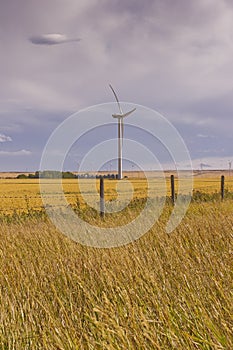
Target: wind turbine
(120, 116)
(229, 163)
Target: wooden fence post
(222, 186)
(173, 189)
(102, 204)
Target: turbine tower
(229, 163)
(120, 116)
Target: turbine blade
(119, 106)
(128, 113)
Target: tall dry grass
(160, 292)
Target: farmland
(24, 195)
(163, 291)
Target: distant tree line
(51, 174)
(48, 174)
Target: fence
(11, 199)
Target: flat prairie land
(24, 194)
(162, 291)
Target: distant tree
(37, 174)
(22, 176)
(50, 174)
(54, 174)
(68, 175)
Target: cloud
(172, 56)
(22, 152)
(203, 136)
(5, 138)
(51, 39)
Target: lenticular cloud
(51, 39)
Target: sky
(59, 56)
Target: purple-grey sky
(172, 56)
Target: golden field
(23, 195)
(162, 291)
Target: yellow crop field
(23, 195)
(160, 292)
(210, 185)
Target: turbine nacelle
(121, 116)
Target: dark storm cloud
(174, 56)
